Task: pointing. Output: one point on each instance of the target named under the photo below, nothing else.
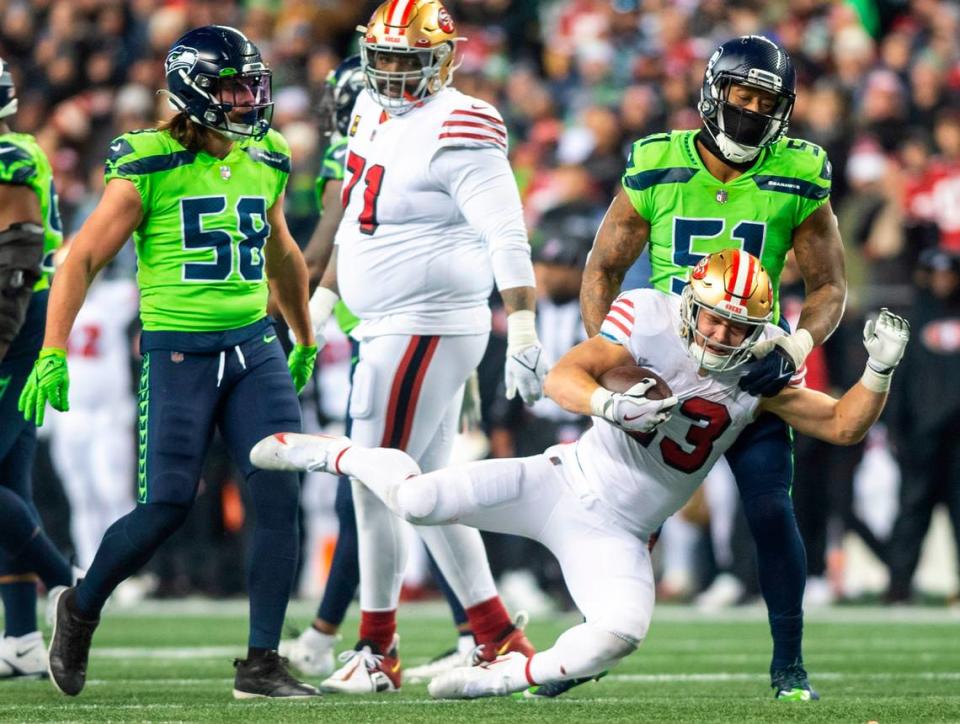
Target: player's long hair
(192, 136)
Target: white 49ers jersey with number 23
(645, 478)
(409, 260)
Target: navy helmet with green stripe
(8, 93)
(216, 76)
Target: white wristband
(598, 401)
(521, 331)
(321, 305)
(876, 381)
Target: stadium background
(577, 81)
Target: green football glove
(48, 382)
(301, 362)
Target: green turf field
(172, 662)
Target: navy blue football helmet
(213, 70)
(8, 93)
(757, 62)
(344, 85)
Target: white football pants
(607, 569)
(93, 452)
(407, 392)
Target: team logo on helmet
(182, 58)
(444, 21)
(700, 270)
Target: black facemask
(707, 139)
(744, 126)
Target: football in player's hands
(621, 379)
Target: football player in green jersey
(203, 197)
(29, 233)
(739, 181)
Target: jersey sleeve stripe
(624, 300)
(476, 137)
(627, 316)
(457, 123)
(484, 116)
(618, 324)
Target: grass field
(172, 662)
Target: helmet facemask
(709, 354)
(421, 73)
(239, 105)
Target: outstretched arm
(620, 240)
(847, 420)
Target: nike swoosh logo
(8, 149)
(628, 418)
(268, 338)
(115, 147)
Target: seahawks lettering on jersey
(692, 213)
(200, 244)
(23, 162)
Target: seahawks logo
(182, 58)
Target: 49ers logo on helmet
(700, 270)
(444, 21)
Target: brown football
(621, 379)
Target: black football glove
(769, 375)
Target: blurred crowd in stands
(578, 81)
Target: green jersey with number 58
(200, 263)
(692, 213)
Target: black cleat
(791, 684)
(556, 688)
(266, 677)
(69, 645)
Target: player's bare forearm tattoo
(819, 253)
(519, 298)
(619, 242)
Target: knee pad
(416, 498)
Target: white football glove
(321, 307)
(524, 373)
(631, 410)
(525, 367)
(886, 340)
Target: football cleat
(512, 639)
(366, 671)
(461, 655)
(267, 677)
(296, 451)
(23, 656)
(791, 684)
(556, 688)
(311, 652)
(69, 645)
(504, 675)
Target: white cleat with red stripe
(299, 452)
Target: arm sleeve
(482, 185)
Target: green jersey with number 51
(692, 213)
(200, 263)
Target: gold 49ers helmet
(407, 52)
(731, 284)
